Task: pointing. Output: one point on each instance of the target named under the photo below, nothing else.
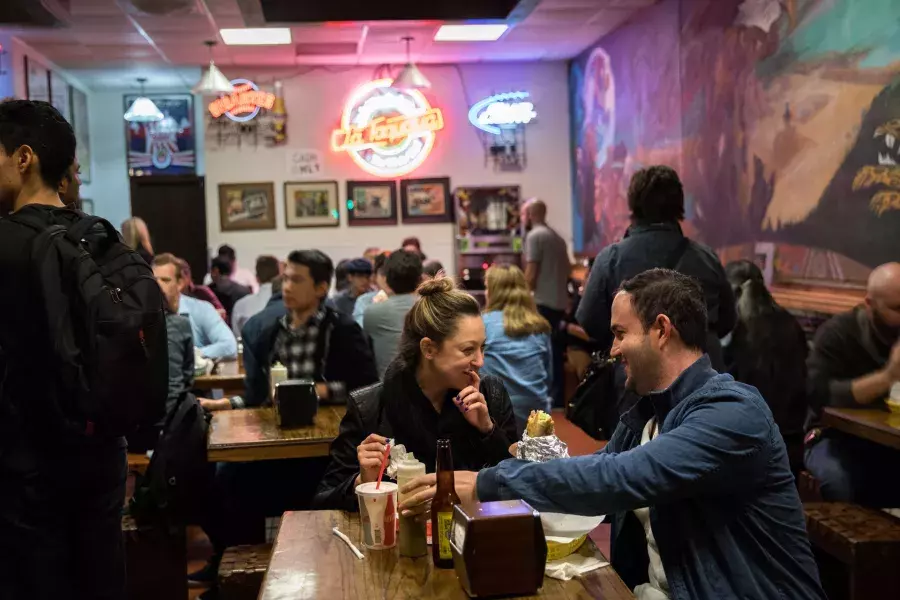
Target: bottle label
(445, 525)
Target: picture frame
(371, 203)
(37, 81)
(60, 95)
(311, 204)
(247, 206)
(426, 200)
(81, 126)
(166, 147)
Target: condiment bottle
(413, 539)
(277, 374)
(442, 504)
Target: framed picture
(37, 81)
(247, 206)
(372, 203)
(87, 206)
(59, 95)
(426, 200)
(488, 210)
(166, 147)
(79, 122)
(311, 204)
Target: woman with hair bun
(431, 391)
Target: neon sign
(502, 111)
(388, 132)
(244, 103)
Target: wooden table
(252, 434)
(874, 424)
(231, 385)
(308, 561)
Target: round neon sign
(244, 103)
(388, 132)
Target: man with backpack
(82, 363)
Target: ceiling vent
(159, 8)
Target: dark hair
(655, 195)
(432, 268)
(679, 297)
(751, 296)
(228, 252)
(320, 266)
(434, 315)
(341, 282)
(267, 268)
(223, 265)
(38, 125)
(403, 271)
(380, 261)
(412, 241)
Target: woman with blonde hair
(432, 390)
(518, 341)
(137, 237)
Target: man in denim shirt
(698, 450)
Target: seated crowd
(714, 404)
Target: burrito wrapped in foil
(540, 448)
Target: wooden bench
(857, 549)
(155, 560)
(242, 570)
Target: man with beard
(695, 478)
(854, 362)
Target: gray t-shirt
(548, 249)
(384, 324)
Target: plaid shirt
(296, 349)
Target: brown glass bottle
(445, 499)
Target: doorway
(174, 208)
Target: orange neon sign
(244, 103)
(388, 132)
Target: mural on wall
(166, 147)
(782, 117)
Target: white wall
(110, 188)
(314, 104)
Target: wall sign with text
(244, 103)
(502, 111)
(166, 147)
(388, 132)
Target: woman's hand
(369, 455)
(420, 491)
(472, 405)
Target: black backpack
(177, 486)
(106, 326)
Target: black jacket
(398, 409)
(647, 247)
(349, 356)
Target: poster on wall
(311, 204)
(37, 81)
(166, 147)
(426, 200)
(59, 95)
(245, 206)
(79, 121)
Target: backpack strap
(80, 229)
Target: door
(174, 208)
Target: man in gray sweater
(384, 321)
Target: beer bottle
(445, 499)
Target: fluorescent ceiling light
(470, 33)
(263, 36)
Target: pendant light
(410, 77)
(143, 110)
(213, 82)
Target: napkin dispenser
(296, 403)
(498, 548)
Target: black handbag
(600, 399)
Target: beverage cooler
(489, 231)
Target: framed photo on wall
(37, 81)
(371, 203)
(166, 147)
(426, 200)
(59, 95)
(247, 206)
(79, 122)
(311, 204)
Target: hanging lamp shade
(410, 77)
(213, 82)
(143, 110)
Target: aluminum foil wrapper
(396, 456)
(541, 449)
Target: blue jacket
(723, 505)
(344, 352)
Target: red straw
(387, 450)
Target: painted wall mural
(782, 117)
